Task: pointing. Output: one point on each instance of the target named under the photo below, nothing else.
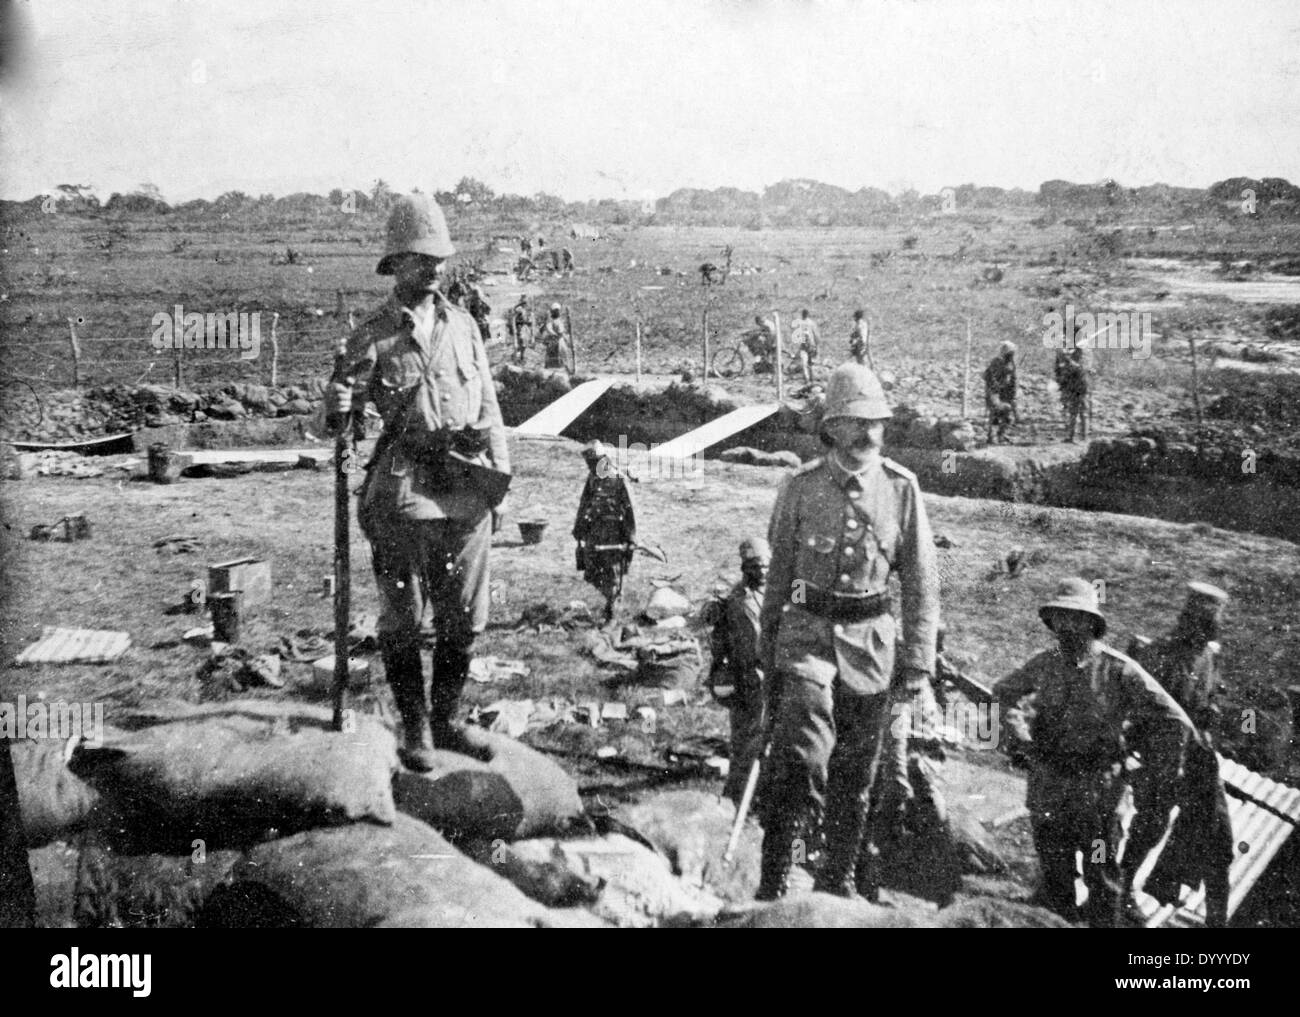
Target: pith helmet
(596, 450)
(854, 391)
(416, 225)
(755, 549)
(1007, 346)
(1075, 594)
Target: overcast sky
(634, 98)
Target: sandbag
(52, 801)
(54, 874)
(152, 891)
(230, 773)
(365, 875)
(691, 828)
(821, 911)
(510, 792)
(634, 886)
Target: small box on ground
(252, 576)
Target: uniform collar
(845, 477)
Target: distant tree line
(790, 203)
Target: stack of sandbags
(230, 774)
(506, 791)
(53, 802)
(366, 876)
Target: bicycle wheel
(729, 363)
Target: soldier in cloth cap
(1077, 711)
(842, 527)
(433, 491)
(736, 676)
(1185, 663)
(606, 526)
(1000, 390)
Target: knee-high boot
(405, 674)
(450, 672)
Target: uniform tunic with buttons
(840, 532)
(428, 544)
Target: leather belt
(844, 607)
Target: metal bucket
(227, 612)
(164, 466)
(531, 532)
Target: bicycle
(734, 361)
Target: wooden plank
(89, 443)
(554, 418)
(694, 442)
(204, 457)
(67, 646)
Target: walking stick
(342, 548)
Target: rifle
(746, 800)
(975, 691)
(655, 552)
(342, 548)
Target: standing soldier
(1072, 380)
(806, 337)
(761, 342)
(1000, 391)
(606, 526)
(736, 678)
(1186, 665)
(858, 338)
(1076, 712)
(434, 487)
(556, 340)
(521, 322)
(842, 526)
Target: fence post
(704, 329)
(779, 366)
(76, 354)
(638, 349)
(1196, 393)
(275, 346)
(965, 382)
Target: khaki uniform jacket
(841, 532)
(1085, 716)
(458, 390)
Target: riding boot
(450, 672)
(778, 854)
(866, 878)
(405, 674)
(846, 825)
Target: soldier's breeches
(442, 562)
(1072, 811)
(825, 735)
